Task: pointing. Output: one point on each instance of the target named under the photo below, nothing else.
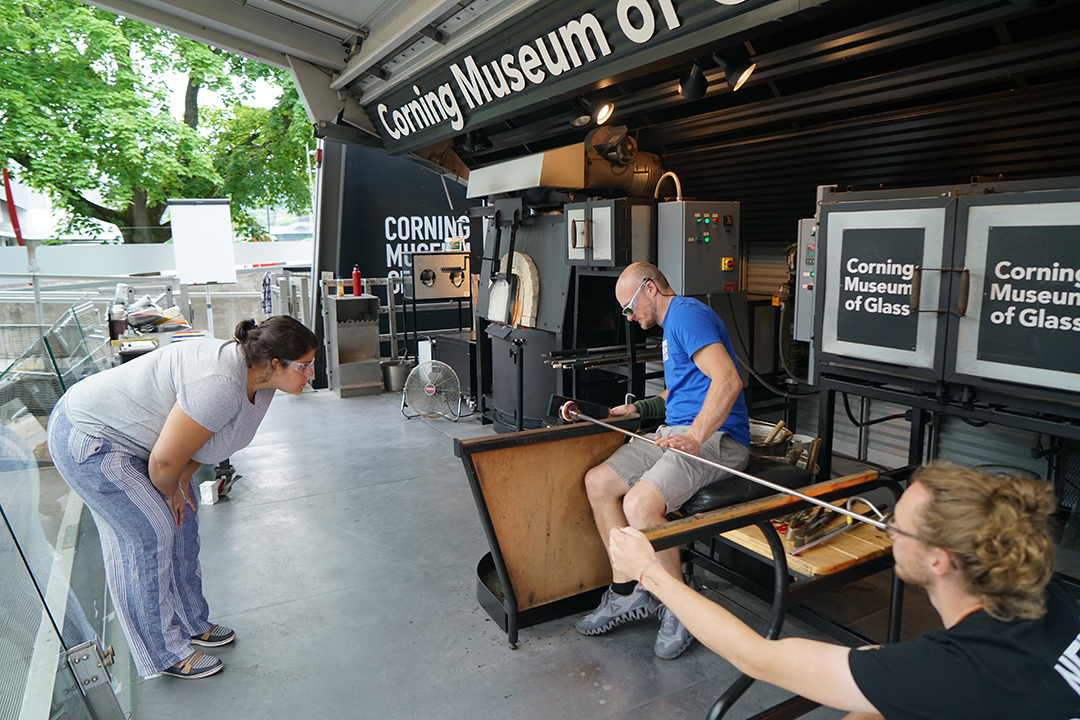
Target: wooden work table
(859, 544)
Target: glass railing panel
(54, 532)
(35, 681)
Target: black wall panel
(1022, 134)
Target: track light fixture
(693, 85)
(604, 110)
(582, 113)
(587, 111)
(737, 68)
(476, 141)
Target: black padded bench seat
(735, 490)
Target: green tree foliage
(84, 112)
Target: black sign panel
(554, 48)
(1031, 298)
(876, 268)
(393, 208)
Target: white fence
(105, 260)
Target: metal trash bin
(395, 372)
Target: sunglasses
(628, 311)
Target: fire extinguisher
(355, 280)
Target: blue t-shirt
(690, 325)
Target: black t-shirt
(981, 668)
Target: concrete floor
(345, 560)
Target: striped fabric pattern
(151, 567)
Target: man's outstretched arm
(816, 670)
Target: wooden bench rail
(705, 525)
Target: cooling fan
(432, 390)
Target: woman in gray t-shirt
(128, 441)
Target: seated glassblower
(705, 414)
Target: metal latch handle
(574, 234)
(962, 296)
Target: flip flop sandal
(214, 637)
(196, 666)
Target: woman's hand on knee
(177, 505)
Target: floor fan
(432, 390)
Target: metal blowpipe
(570, 413)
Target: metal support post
(519, 358)
(391, 309)
(864, 428)
(90, 666)
(826, 420)
(34, 270)
(916, 442)
(209, 313)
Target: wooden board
(535, 495)
(857, 545)
(702, 521)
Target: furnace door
(1022, 323)
(872, 254)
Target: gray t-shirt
(207, 378)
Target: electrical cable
(781, 336)
(750, 368)
(868, 423)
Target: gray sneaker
(674, 638)
(616, 609)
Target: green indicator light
(699, 219)
(706, 221)
(706, 239)
(811, 273)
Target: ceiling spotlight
(737, 67)
(475, 141)
(694, 85)
(582, 113)
(604, 109)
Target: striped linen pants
(151, 566)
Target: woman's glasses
(301, 368)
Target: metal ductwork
(613, 162)
(609, 159)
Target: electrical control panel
(805, 274)
(698, 246)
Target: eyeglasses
(628, 311)
(301, 368)
(892, 530)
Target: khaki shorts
(677, 478)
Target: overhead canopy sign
(551, 51)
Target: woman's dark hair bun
(277, 337)
(243, 329)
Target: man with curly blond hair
(980, 547)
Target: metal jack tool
(829, 535)
(570, 413)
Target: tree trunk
(141, 230)
(191, 104)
